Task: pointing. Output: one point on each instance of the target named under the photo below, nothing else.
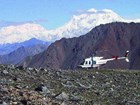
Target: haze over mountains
(8, 48)
(78, 25)
(15, 53)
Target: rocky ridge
(30, 86)
(112, 39)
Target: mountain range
(17, 41)
(15, 53)
(116, 38)
(8, 48)
(79, 25)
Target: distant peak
(93, 10)
(108, 10)
(75, 17)
(34, 40)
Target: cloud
(93, 11)
(38, 21)
(7, 23)
(41, 21)
(4, 23)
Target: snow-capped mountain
(83, 23)
(78, 25)
(23, 32)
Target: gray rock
(3, 103)
(39, 88)
(62, 96)
(5, 72)
(45, 90)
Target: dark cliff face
(108, 40)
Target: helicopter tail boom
(125, 57)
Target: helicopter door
(93, 63)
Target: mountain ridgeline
(15, 53)
(107, 40)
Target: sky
(55, 13)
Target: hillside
(8, 48)
(29, 86)
(21, 53)
(112, 39)
(15, 53)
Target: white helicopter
(97, 61)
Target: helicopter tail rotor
(126, 56)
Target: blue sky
(55, 13)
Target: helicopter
(97, 61)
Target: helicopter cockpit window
(89, 62)
(86, 62)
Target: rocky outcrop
(30, 86)
(108, 40)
